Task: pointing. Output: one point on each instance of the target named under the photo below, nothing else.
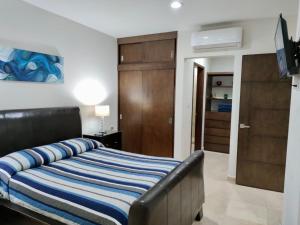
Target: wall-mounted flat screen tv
(285, 50)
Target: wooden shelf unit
(217, 124)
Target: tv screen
(286, 62)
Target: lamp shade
(102, 110)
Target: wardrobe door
(160, 51)
(130, 109)
(158, 110)
(131, 53)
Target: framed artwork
(23, 65)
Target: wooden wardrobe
(146, 68)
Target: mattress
(79, 181)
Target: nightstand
(110, 140)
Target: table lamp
(102, 111)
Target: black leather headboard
(20, 129)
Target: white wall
(291, 210)
(87, 54)
(188, 99)
(221, 64)
(258, 38)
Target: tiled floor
(230, 204)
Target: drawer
(217, 139)
(223, 116)
(217, 132)
(216, 147)
(217, 124)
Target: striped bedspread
(97, 186)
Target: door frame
(194, 129)
(183, 146)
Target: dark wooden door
(158, 110)
(159, 51)
(131, 53)
(130, 109)
(199, 107)
(264, 118)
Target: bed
(62, 178)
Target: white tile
(231, 204)
(248, 212)
(274, 217)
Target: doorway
(218, 111)
(212, 103)
(197, 116)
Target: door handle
(244, 126)
(171, 120)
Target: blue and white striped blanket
(79, 181)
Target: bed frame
(176, 200)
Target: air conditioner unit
(221, 38)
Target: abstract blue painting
(23, 65)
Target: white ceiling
(121, 18)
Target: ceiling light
(176, 4)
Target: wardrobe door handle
(172, 54)
(170, 120)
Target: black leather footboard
(175, 200)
